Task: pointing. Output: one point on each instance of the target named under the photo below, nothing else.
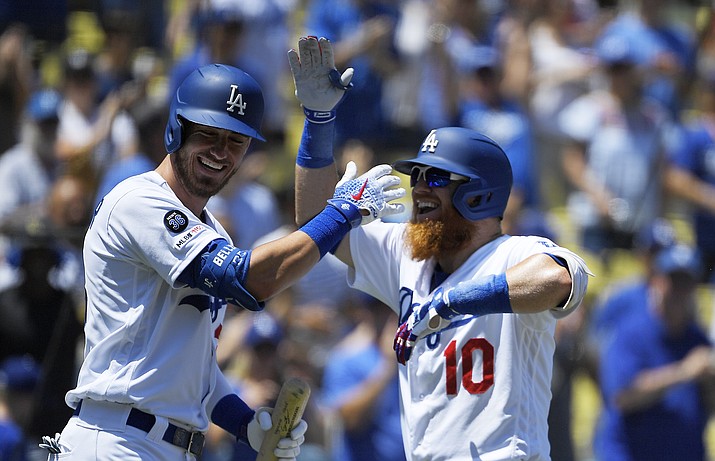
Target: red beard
(429, 238)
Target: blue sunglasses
(434, 177)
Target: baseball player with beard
(478, 308)
(160, 270)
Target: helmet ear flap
(173, 134)
(467, 199)
(474, 202)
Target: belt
(193, 442)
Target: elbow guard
(221, 271)
(579, 280)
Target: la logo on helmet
(431, 142)
(235, 101)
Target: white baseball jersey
(150, 341)
(480, 388)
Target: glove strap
(334, 77)
(347, 209)
(319, 116)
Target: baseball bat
(286, 415)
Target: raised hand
(318, 85)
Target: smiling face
(431, 203)
(208, 158)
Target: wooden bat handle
(286, 415)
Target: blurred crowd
(606, 109)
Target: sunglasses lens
(432, 176)
(438, 179)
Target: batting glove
(368, 193)
(288, 448)
(51, 444)
(318, 85)
(430, 317)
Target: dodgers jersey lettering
(149, 341)
(454, 373)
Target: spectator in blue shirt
(361, 386)
(664, 49)
(625, 296)
(485, 107)
(19, 376)
(691, 172)
(658, 374)
(362, 33)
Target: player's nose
(220, 148)
(421, 186)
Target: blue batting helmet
(475, 156)
(219, 96)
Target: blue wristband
(233, 415)
(316, 145)
(485, 295)
(329, 227)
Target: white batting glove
(318, 85)
(288, 448)
(51, 444)
(368, 192)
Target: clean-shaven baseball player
(159, 272)
(478, 308)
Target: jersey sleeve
(579, 271)
(377, 250)
(222, 388)
(158, 231)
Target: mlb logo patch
(181, 240)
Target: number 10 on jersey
(466, 354)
